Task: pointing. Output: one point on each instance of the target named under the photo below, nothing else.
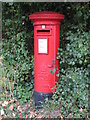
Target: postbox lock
(53, 61)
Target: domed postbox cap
(46, 15)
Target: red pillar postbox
(46, 44)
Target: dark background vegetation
(72, 93)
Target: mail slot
(43, 32)
(46, 44)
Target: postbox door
(45, 58)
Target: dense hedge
(73, 87)
(17, 51)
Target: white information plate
(42, 45)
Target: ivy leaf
(2, 112)
(79, 55)
(11, 107)
(80, 61)
(54, 70)
(57, 75)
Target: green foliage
(24, 91)
(18, 58)
(76, 52)
(72, 89)
(72, 93)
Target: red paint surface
(44, 80)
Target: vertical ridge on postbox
(46, 44)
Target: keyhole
(53, 62)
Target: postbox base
(39, 98)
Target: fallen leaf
(60, 116)
(4, 95)
(18, 108)
(31, 114)
(2, 112)
(15, 99)
(5, 103)
(81, 109)
(39, 116)
(17, 103)
(1, 102)
(13, 114)
(1, 59)
(33, 109)
(26, 116)
(20, 115)
(54, 113)
(1, 117)
(11, 107)
(69, 115)
(11, 101)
